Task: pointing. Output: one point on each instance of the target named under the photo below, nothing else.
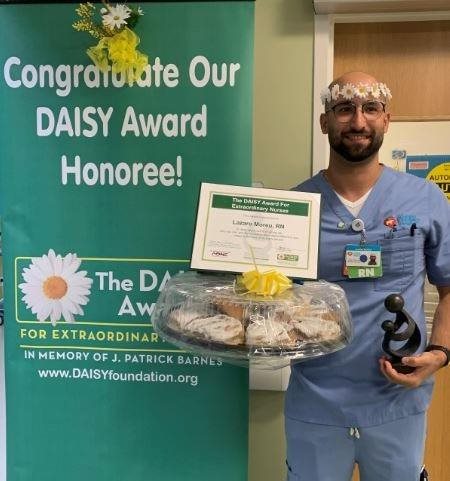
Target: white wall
(417, 138)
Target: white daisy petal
(30, 278)
(37, 273)
(26, 300)
(43, 313)
(74, 308)
(82, 292)
(335, 91)
(79, 284)
(52, 259)
(78, 274)
(75, 297)
(55, 316)
(388, 92)
(65, 314)
(57, 265)
(70, 266)
(44, 265)
(38, 306)
(69, 305)
(68, 316)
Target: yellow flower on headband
(269, 283)
(120, 50)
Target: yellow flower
(120, 50)
(269, 283)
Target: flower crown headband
(349, 91)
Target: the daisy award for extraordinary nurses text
(115, 347)
(91, 121)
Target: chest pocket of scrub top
(402, 258)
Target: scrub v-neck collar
(369, 210)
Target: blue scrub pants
(388, 452)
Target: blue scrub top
(347, 388)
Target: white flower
(116, 16)
(362, 90)
(335, 91)
(54, 289)
(348, 91)
(375, 91)
(385, 91)
(140, 11)
(325, 95)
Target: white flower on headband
(335, 91)
(348, 91)
(362, 91)
(375, 91)
(325, 95)
(385, 91)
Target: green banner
(99, 187)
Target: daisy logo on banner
(54, 288)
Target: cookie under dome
(211, 315)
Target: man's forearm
(441, 323)
(440, 334)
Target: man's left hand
(425, 365)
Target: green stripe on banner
(99, 185)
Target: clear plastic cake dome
(209, 314)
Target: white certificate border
(207, 190)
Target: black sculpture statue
(397, 331)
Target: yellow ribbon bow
(269, 283)
(121, 51)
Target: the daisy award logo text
(89, 303)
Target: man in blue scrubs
(352, 406)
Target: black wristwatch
(437, 347)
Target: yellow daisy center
(55, 287)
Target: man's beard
(356, 153)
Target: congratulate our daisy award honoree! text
(95, 121)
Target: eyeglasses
(344, 112)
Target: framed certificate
(240, 227)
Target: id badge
(362, 261)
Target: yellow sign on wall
(440, 175)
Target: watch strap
(437, 347)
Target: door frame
(323, 63)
